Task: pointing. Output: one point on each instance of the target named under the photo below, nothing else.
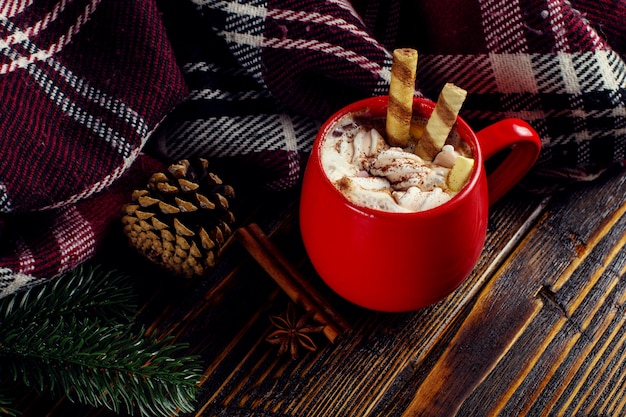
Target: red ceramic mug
(405, 261)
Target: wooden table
(537, 329)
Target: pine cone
(182, 220)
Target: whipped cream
(370, 173)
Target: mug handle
(525, 146)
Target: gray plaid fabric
(550, 65)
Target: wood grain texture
(536, 337)
(537, 329)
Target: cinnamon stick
(290, 280)
(299, 279)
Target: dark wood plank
(547, 308)
(361, 373)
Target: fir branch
(90, 358)
(111, 366)
(85, 291)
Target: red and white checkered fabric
(82, 83)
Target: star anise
(292, 333)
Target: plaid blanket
(94, 90)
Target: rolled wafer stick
(440, 122)
(401, 90)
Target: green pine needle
(72, 337)
(85, 291)
(5, 406)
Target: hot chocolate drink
(369, 172)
